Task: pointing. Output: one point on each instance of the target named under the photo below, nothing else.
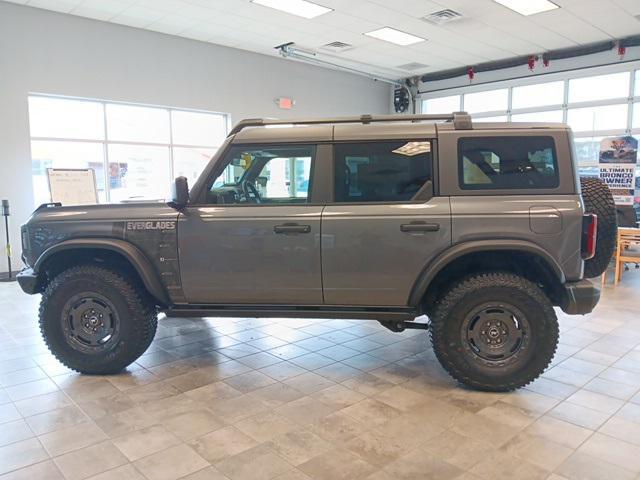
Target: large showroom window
(134, 150)
(595, 106)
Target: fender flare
(130, 252)
(434, 267)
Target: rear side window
(381, 171)
(507, 163)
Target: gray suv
(480, 227)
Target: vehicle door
(253, 236)
(384, 223)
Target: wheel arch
(78, 250)
(504, 253)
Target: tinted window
(273, 174)
(504, 163)
(381, 171)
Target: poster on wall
(618, 159)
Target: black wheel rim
(90, 323)
(495, 334)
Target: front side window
(274, 174)
(381, 171)
(506, 163)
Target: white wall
(47, 52)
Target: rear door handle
(417, 227)
(291, 228)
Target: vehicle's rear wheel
(494, 331)
(95, 320)
(598, 199)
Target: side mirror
(180, 193)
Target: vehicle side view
(484, 228)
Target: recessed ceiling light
(392, 35)
(301, 8)
(528, 7)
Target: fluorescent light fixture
(528, 7)
(301, 8)
(392, 35)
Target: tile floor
(298, 399)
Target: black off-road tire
(455, 319)
(133, 314)
(598, 199)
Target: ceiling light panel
(392, 35)
(301, 8)
(528, 7)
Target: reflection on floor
(297, 399)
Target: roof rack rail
(461, 120)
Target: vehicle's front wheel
(95, 320)
(494, 331)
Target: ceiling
(487, 31)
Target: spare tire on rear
(598, 199)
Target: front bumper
(579, 298)
(28, 281)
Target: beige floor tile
(338, 427)
(223, 443)
(214, 391)
(368, 384)
(610, 388)
(15, 431)
(402, 398)
(503, 466)
(89, 461)
(125, 422)
(483, 429)
(538, 451)
(596, 401)
(72, 438)
(622, 429)
(338, 396)
(43, 403)
(509, 414)
(376, 449)
(579, 415)
(108, 405)
(207, 473)
(265, 426)
(276, 394)
(171, 464)
(420, 465)
(298, 446)
(559, 431)
(456, 449)
(309, 382)
(31, 389)
(235, 409)
(371, 412)
(292, 475)
(21, 454)
(190, 425)
(580, 466)
(9, 413)
(144, 442)
(56, 420)
(613, 450)
(305, 410)
(249, 381)
(258, 463)
(337, 465)
(46, 470)
(124, 472)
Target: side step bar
(382, 314)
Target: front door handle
(291, 228)
(418, 227)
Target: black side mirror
(180, 193)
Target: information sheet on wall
(71, 186)
(618, 160)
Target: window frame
(105, 141)
(479, 187)
(631, 98)
(422, 195)
(317, 186)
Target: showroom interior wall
(51, 53)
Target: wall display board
(73, 186)
(618, 160)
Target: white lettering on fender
(151, 225)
